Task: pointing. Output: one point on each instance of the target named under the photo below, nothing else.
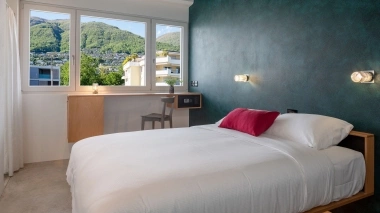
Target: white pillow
(316, 131)
(220, 121)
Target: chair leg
(162, 124)
(171, 123)
(142, 124)
(152, 124)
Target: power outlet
(292, 111)
(194, 83)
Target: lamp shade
(241, 78)
(362, 77)
(95, 88)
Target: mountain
(45, 37)
(53, 36)
(110, 38)
(37, 20)
(170, 38)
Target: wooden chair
(160, 117)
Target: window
(169, 40)
(48, 49)
(69, 50)
(112, 50)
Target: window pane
(112, 52)
(49, 48)
(168, 55)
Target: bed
(215, 170)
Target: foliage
(113, 78)
(170, 38)
(171, 81)
(91, 72)
(45, 37)
(129, 58)
(168, 47)
(110, 38)
(64, 75)
(163, 53)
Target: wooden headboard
(364, 143)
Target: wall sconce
(241, 78)
(363, 76)
(95, 88)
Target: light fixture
(95, 88)
(363, 76)
(241, 78)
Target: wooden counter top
(133, 94)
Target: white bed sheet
(197, 169)
(349, 171)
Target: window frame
(78, 52)
(183, 54)
(25, 48)
(75, 50)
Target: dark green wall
(301, 54)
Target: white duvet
(203, 169)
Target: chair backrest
(167, 100)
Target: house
(44, 76)
(298, 55)
(167, 65)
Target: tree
(89, 72)
(134, 56)
(113, 78)
(129, 58)
(162, 53)
(64, 75)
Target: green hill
(36, 20)
(110, 38)
(45, 37)
(53, 36)
(170, 38)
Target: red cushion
(253, 122)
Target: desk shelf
(85, 112)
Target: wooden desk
(85, 113)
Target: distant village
(110, 60)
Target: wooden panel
(85, 117)
(340, 203)
(364, 143)
(136, 94)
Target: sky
(137, 28)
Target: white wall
(177, 10)
(45, 122)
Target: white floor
(37, 188)
(6, 180)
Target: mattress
(349, 171)
(206, 169)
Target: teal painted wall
(300, 52)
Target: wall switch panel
(194, 83)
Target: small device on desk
(189, 101)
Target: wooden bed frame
(364, 143)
